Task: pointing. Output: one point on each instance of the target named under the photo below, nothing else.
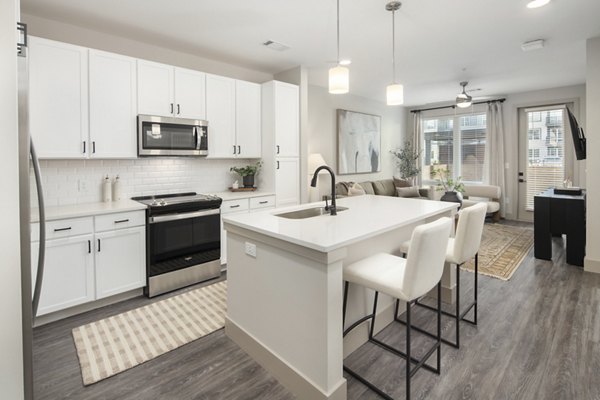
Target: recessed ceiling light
(537, 3)
(273, 45)
(345, 62)
(533, 45)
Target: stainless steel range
(183, 240)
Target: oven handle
(175, 217)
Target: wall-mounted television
(578, 136)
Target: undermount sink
(308, 213)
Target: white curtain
(495, 160)
(417, 141)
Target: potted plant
(406, 160)
(247, 173)
(453, 188)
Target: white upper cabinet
(58, 98)
(190, 94)
(113, 108)
(169, 91)
(287, 120)
(156, 89)
(248, 119)
(287, 181)
(220, 113)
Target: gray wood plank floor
(538, 338)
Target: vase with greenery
(453, 188)
(407, 161)
(247, 173)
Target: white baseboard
(590, 265)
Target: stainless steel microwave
(166, 136)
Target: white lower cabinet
(241, 206)
(120, 261)
(68, 273)
(83, 264)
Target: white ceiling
(439, 42)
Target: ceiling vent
(270, 44)
(533, 45)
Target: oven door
(164, 136)
(178, 241)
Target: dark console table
(557, 214)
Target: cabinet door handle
(277, 164)
(236, 206)
(84, 147)
(99, 246)
(178, 109)
(89, 247)
(171, 108)
(121, 221)
(234, 149)
(277, 149)
(62, 229)
(94, 147)
(239, 149)
(263, 202)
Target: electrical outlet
(251, 249)
(82, 186)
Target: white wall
(592, 258)
(80, 181)
(575, 94)
(322, 129)
(11, 342)
(68, 33)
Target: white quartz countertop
(367, 216)
(242, 195)
(87, 209)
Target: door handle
(62, 229)
(178, 109)
(234, 149)
(522, 180)
(89, 247)
(171, 108)
(121, 221)
(277, 164)
(239, 149)
(94, 147)
(98, 245)
(84, 147)
(277, 149)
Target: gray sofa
(383, 187)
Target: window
(457, 143)
(552, 151)
(535, 134)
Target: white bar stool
(463, 247)
(406, 280)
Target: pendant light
(394, 91)
(463, 100)
(339, 76)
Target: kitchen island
(285, 284)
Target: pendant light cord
(338, 32)
(393, 46)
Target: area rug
(503, 248)
(113, 345)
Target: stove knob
(163, 203)
(154, 203)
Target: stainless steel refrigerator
(28, 161)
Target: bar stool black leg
(372, 328)
(475, 289)
(408, 350)
(457, 306)
(439, 327)
(345, 304)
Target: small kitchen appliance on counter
(183, 240)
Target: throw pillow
(399, 182)
(411, 191)
(356, 190)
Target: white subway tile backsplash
(80, 181)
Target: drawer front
(262, 202)
(110, 222)
(230, 206)
(66, 228)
